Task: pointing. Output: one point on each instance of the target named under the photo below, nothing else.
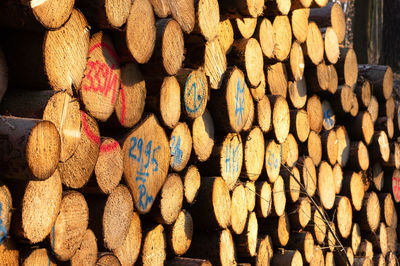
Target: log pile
(193, 132)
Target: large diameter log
(225, 35)
(76, 171)
(35, 199)
(299, 124)
(181, 146)
(87, 251)
(141, 31)
(71, 42)
(30, 148)
(326, 185)
(154, 247)
(203, 136)
(180, 234)
(347, 67)
(6, 206)
(146, 156)
(218, 247)
(370, 213)
(387, 207)
(314, 45)
(280, 117)
(299, 21)
(283, 37)
(381, 78)
(247, 54)
(289, 257)
(246, 242)
(343, 145)
(101, 81)
(272, 160)
(129, 105)
(303, 242)
(231, 103)
(38, 256)
(265, 37)
(308, 175)
(169, 202)
(353, 188)
(70, 225)
(213, 205)
(253, 153)
(331, 45)
(344, 216)
(277, 79)
(28, 14)
(109, 165)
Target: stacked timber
(193, 132)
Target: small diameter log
(318, 78)
(373, 108)
(338, 177)
(207, 18)
(283, 37)
(247, 54)
(288, 257)
(250, 119)
(299, 213)
(38, 256)
(272, 160)
(340, 257)
(278, 228)
(109, 168)
(385, 124)
(380, 147)
(315, 113)
(76, 171)
(70, 226)
(318, 258)
(129, 105)
(179, 235)
(355, 238)
(297, 93)
(379, 259)
(313, 147)
(107, 258)
(330, 238)
(169, 202)
(87, 251)
(363, 91)
(195, 92)
(347, 67)
(146, 173)
(183, 261)
(379, 239)
(299, 21)
(214, 63)
(244, 27)
(154, 247)
(359, 156)
(377, 175)
(203, 136)
(392, 239)
(342, 101)
(161, 8)
(370, 213)
(264, 248)
(333, 79)
(213, 205)
(293, 150)
(6, 206)
(387, 109)
(354, 108)
(292, 180)
(30, 148)
(71, 42)
(277, 79)
(246, 242)
(329, 259)
(308, 175)
(168, 103)
(326, 185)
(218, 247)
(392, 184)
(362, 128)
(389, 215)
(181, 146)
(251, 195)
(381, 78)
(329, 146)
(296, 61)
(366, 249)
(263, 194)
(141, 31)
(244, 8)
(278, 197)
(231, 104)
(343, 145)
(280, 117)
(266, 38)
(296, 4)
(391, 259)
(314, 45)
(225, 35)
(191, 183)
(168, 54)
(331, 45)
(353, 188)
(304, 243)
(34, 199)
(184, 13)
(9, 253)
(318, 225)
(254, 152)
(299, 124)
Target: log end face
(172, 47)
(338, 21)
(50, 13)
(221, 201)
(117, 12)
(208, 18)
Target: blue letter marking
(197, 98)
(239, 106)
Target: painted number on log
(232, 160)
(3, 231)
(176, 151)
(272, 161)
(396, 188)
(194, 93)
(328, 118)
(147, 159)
(239, 102)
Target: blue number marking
(197, 98)
(231, 160)
(140, 146)
(143, 193)
(176, 151)
(134, 141)
(239, 104)
(328, 118)
(272, 161)
(228, 158)
(3, 231)
(147, 152)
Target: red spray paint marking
(88, 131)
(396, 188)
(122, 94)
(104, 45)
(109, 147)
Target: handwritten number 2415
(148, 153)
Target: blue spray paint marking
(328, 118)
(54, 242)
(194, 93)
(272, 161)
(231, 159)
(239, 104)
(3, 231)
(176, 151)
(145, 161)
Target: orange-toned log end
(101, 81)
(65, 53)
(141, 31)
(146, 156)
